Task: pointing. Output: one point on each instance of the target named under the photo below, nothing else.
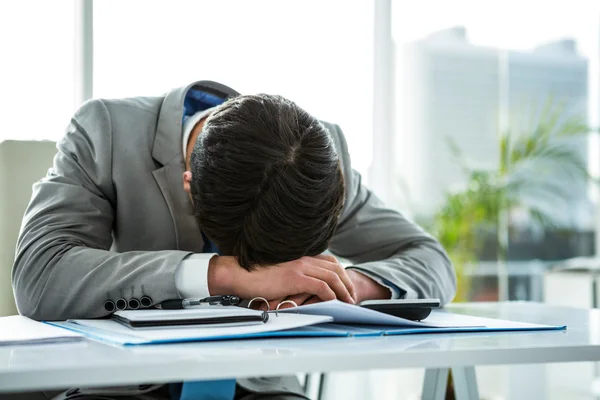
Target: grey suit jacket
(111, 220)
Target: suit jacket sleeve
(63, 267)
(384, 245)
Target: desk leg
(434, 384)
(465, 383)
(312, 385)
(322, 386)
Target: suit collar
(187, 233)
(167, 142)
(167, 151)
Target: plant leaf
(542, 219)
(457, 155)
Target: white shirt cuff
(191, 276)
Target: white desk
(30, 368)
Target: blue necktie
(204, 390)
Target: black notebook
(200, 316)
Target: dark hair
(267, 184)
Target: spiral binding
(269, 306)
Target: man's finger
(312, 300)
(327, 262)
(274, 303)
(332, 280)
(299, 299)
(317, 287)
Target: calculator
(411, 309)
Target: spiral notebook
(327, 319)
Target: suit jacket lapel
(167, 142)
(167, 151)
(170, 180)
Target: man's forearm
(367, 288)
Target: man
(269, 189)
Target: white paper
(344, 313)
(112, 331)
(182, 315)
(18, 329)
(442, 319)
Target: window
(37, 85)
(318, 54)
(472, 75)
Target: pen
(178, 304)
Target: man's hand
(322, 277)
(365, 288)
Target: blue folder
(319, 330)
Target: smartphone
(412, 309)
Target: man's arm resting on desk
(194, 278)
(385, 246)
(63, 266)
(314, 275)
(392, 257)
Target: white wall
(21, 164)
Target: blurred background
(477, 119)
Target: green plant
(530, 176)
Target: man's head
(266, 183)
